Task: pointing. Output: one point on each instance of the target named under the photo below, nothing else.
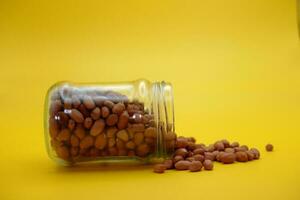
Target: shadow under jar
(109, 122)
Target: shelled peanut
(192, 156)
(90, 124)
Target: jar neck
(163, 112)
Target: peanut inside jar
(91, 124)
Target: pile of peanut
(193, 157)
(90, 124)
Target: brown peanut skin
(250, 155)
(269, 147)
(76, 116)
(88, 102)
(63, 152)
(168, 163)
(195, 166)
(159, 168)
(199, 157)
(112, 119)
(86, 142)
(64, 135)
(105, 112)
(88, 122)
(241, 156)
(234, 144)
(101, 141)
(181, 142)
(199, 151)
(142, 150)
(123, 120)
(255, 152)
(118, 108)
(96, 113)
(97, 127)
(109, 104)
(219, 146)
(177, 158)
(182, 165)
(208, 165)
(181, 152)
(228, 158)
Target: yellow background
(234, 65)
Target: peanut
(63, 152)
(86, 142)
(199, 151)
(241, 156)
(195, 166)
(219, 146)
(130, 145)
(181, 142)
(142, 150)
(123, 120)
(208, 165)
(234, 144)
(109, 104)
(111, 142)
(250, 155)
(138, 127)
(64, 135)
(74, 151)
(150, 132)
(96, 113)
(74, 141)
(177, 158)
(269, 147)
(226, 143)
(138, 138)
(170, 136)
(71, 124)
(168, 163)
(105, 112)
(84, 111)
(112, 119)
(88, 102)
(229, 150)
(101, 141)
(118, 108)
(67, 103)
(122, 135)
(75, 101)
(209, 156)
(182, 165)
(228, 158)
(181, 152)
(53, 127)
(255, 152)
(159, 168)
(97, 127)
(88, 122)
(199, 157)
(79, 132)
(76, 116)
(111, 132)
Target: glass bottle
(109, 122)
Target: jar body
(109, 122)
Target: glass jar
(109, 122)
